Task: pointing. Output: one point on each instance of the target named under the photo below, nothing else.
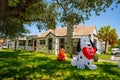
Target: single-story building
(18, 43)
(52, 40)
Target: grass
(36, 66)
(104, 56)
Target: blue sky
(110, 17)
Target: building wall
(99, 44)
(19, 46)
(44, 47)
(29, 47)
(62, 44)
(101, 47)
(74, 45)
(1, 41)
(11, 44)
(15, 45)
(55, 44)
(41, 47)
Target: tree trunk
(3, 8)
(69, 39)
(105, 46)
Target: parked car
(115, 51)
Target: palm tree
(108, 35)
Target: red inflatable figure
(61, 55)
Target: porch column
(16, 44)
(26, 45)
(56, 46)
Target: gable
(50, 35)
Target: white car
(115, 51)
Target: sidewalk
(115, 58)
(114, 61)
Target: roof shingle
(78, 30)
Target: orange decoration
(61, 55)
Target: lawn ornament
(61, 55)
(86, 52)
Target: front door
(62, 43)
(35, 45)
(50, 41)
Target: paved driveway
(115, 57)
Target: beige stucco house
(52, 40)
(23, 43)
(18, 43)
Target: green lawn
(36, 66)
(104, 56)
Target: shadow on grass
(6, 54)
(20, 66)
(109, 69)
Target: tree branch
(14, 11)
(62, 7)
(29, 3)
(34, 19)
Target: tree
(108, 35)
(16, 13)
(118, 42)
(115, 45)
(47, 13)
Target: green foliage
(13, 28)
(13, 3)
(104, 56)
(75, 11)
(107, 34)
(118, 42)
(30, 66)
(115, 45)
(48, 13)
(108, 52)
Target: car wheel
(116, 53)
